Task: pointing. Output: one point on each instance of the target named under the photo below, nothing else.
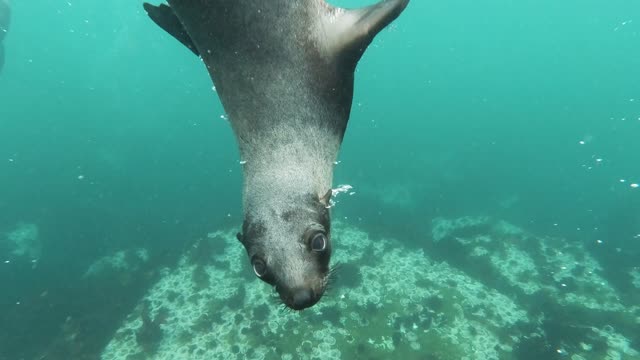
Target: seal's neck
(287, 163)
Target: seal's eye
(318, 242)
(259, 267)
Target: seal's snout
(300, 298)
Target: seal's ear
(326, 199)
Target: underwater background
(494, 157)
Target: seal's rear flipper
(164, 17)
(350, 31)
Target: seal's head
(289, 248)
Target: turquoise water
(112, 139)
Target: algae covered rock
(391, 301)
(24, 241)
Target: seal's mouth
(302, 297)
(305, 296)
(299, 298)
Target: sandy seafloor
(502, 293)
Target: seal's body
(5, 19)
(284, 71)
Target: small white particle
(635, 185)
(599, 241)
(80, 177)
(7, 261)
(581, 142)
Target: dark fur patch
(251, 230)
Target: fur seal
(5, 17)
(284, 72)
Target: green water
(111, 137)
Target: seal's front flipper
(164, 17)
(350, 31)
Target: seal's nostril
(302, 298)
